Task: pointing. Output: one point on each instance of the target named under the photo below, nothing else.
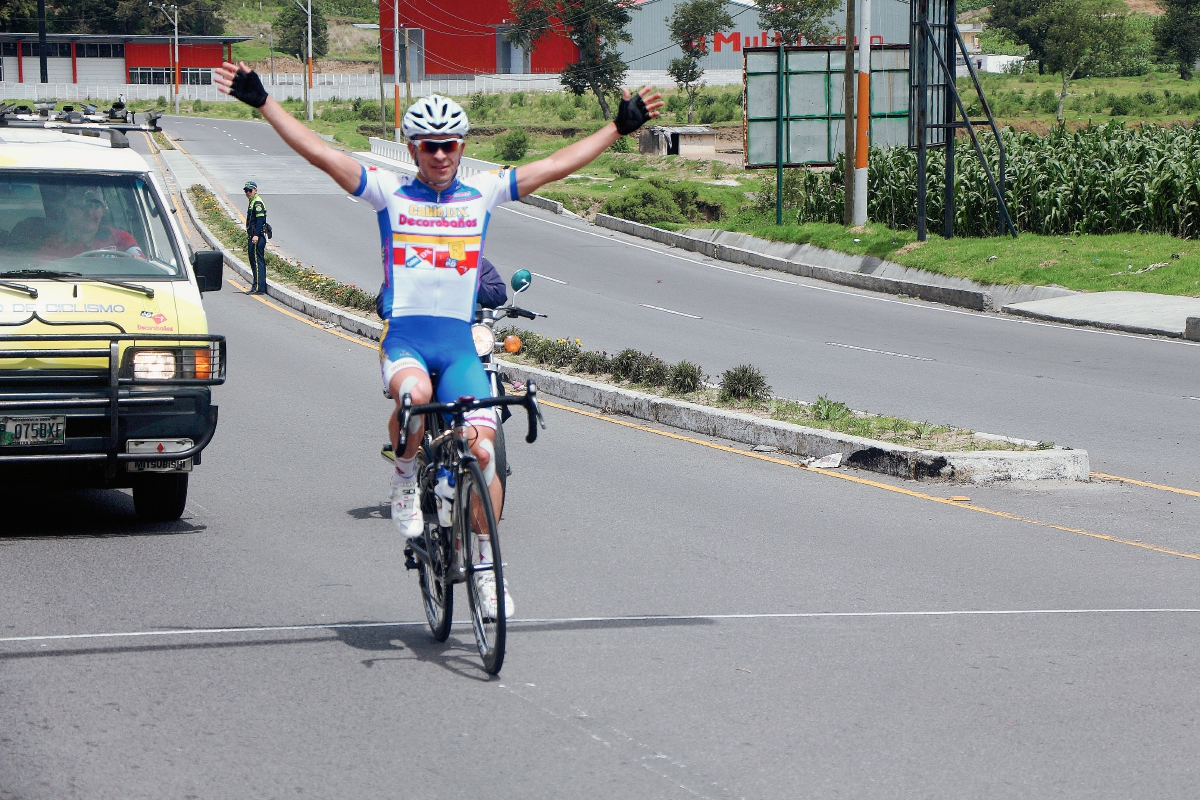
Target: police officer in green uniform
(256, 221)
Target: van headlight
(154, 365)
(485, 340)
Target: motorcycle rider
(433, 225)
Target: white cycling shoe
(485, 588)
(406, 507)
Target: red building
(92, 59)
(466, 38)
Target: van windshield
(97, 225)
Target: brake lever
(534, 413)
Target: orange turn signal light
(512, 343)
(204, 364)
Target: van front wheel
(160, 498)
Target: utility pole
(848, 79)
(382, 104)
(862, 143)
(407, 79)
(310, 60)
(42, 41)
(271, 44)
(308, 84)
(175, 58)
(396, 67)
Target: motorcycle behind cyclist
(432, 226)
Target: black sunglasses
(433, 145)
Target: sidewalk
(1135, 312)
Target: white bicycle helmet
(435, 116)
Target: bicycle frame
(437, 439)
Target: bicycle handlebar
(464, 404)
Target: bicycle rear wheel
(475, 523)
(437, 590)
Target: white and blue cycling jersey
(432, 241)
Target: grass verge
(646, 373)
(1127, 262)
(233, 236)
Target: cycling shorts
(443, 349)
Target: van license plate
(25, 431)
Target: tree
(691, 27)
(18, 16)
(1025, 22)
(1178, 34)
(131, 17)
(291, 31)
(794, 20)
(595, 27)
(1079, 33)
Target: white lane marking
(669, 311)
(351, 199)
(881, 352)
(569, 620)
(927, 307)
(547, 277)
(1189, 397)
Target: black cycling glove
(249, 89)
(631, 115)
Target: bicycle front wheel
(437, 590)
(475, 527)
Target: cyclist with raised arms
(432, 228)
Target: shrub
(1121, 106)
(645, 203)
(566, 112)
(628, 365)
(516, 99)
(744, 382)
(621, 145)
(368, 110)
(551, 352)
(198, 106)
(593, 362)
(1148, 98)
(623, 169)
(513, 145)
(828, 410)
(686, 378)
(655, 372)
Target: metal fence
(330, 86)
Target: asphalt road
(691, 621)
(1043, 669)
(1130, 401)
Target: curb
(962, 298)
(1192, 329)
(1058, 463)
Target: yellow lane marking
(878, 485)
(1118, 478)
(299, 317)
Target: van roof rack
(80, 122)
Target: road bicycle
(460, 524)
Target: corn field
(1099, 179)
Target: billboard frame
(783, 98)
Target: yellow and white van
(106, 360)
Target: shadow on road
(458, 657)
(91, 513)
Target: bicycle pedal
(410, 562)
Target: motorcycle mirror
(520, 280)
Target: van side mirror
(210, 267)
